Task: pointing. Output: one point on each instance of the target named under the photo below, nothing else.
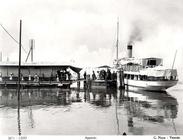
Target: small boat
(105, 78)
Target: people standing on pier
(43, 77)
(114, 75)
(102, 75)
(57, 78)
(108, 74)
(36, 78)
(105, 75)
(63, 75)
(51, 77)
(85, 81)
(98, 74)
(84, 75)
(59, 75)
(1, 79)
(69, 76)
(29, 77)
(94, 76)
(22, 77)
(11, 76)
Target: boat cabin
(151, 62)
(148, 69)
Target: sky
(83, 32)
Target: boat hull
(149, 85)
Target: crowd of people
(102, 75)
(63, 75)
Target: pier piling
(120, 79)
(78, 80)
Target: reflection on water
(148, 106)
(58, 111)
(18, 120)
(101, 98)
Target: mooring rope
(12, 37)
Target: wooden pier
(38, 75)
(24, 84)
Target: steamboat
(146, 73)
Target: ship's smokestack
(129, 48)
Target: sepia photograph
(91, 68)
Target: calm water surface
(96, 112)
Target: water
(96, 112)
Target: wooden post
(120, 79)
(78, 80)
(88, 82)
(18, 120)
(19, 79)
(19, 66)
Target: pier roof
(104, 66)
(38, 65)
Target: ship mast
(174, 59)
(19, 79)
(19, 65)
(117, 43)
